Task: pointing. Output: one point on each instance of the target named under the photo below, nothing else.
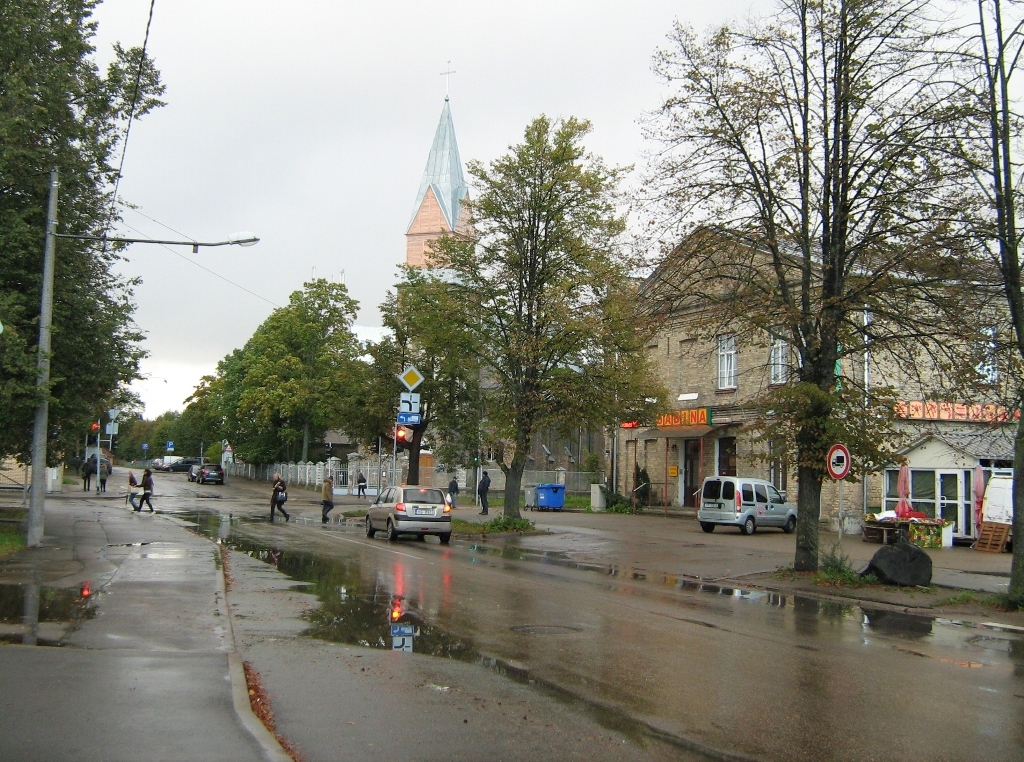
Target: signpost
(145, 446)
(411, 378)
(410, 419)
(170, 446)
(837, 463)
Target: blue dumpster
(550, 497)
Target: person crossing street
(278, 498)
(327, 498)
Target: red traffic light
(95, 427)
(396, 609)
(404, 435)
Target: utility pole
(41, 426)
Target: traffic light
(396, 610)
(375, 446)
(95, 427)
(403, 437)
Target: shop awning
(675, 432)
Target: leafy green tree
(541, 292)
(293, 379)
(449, 394)
(57, 110)
(813, 138)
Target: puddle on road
(51, 605)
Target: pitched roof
(990, 444)
(443, 172)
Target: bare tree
(812, 136)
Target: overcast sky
(309, 123)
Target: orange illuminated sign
(629, 424)
(932, 410)
(700, 416)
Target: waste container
(550, 497)
(531, 496)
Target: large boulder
(901, 564)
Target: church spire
(439, 205)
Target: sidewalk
(144, 671)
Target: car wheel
(392, 532)
(749, 526)
(707, 526)
(421, 537)
(370, 531)
(790, 525)
(445, 538)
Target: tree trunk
(808, 513)
(414, 455)
(513, 483)
(305, 442)
(1016, 591)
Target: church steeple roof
(443, 172)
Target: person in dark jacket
(278, 497)
(87, 471)
(132, 486)
(147, 491)
(453, 490)
(482, 489)
(105, 471)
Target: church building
(439, 207)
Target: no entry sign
(838, 461)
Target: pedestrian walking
(278, 498)
(147, 491)
(482, 490)
(360, 485)
(453, 490)
(133, 485)
(327, 498)
(87, 474)
(105, 471)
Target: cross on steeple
(447, 78)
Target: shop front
(942, 474)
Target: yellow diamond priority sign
(411, 377)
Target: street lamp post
(34, 535)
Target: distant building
(439, 207)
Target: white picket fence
(306, 474)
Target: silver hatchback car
(410, 510)
(745, 503)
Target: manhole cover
(544, 629)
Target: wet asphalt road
(754, 674)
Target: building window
(727, 362)
(727, 456)
(778, 468)
(778, 361)
(987, 368)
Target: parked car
(183, 465)
(210, 472)
(410, 510)
(745, 503)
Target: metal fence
(306, 474)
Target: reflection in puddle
(24, 607)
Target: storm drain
(545, 629)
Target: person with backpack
(278, 498)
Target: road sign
(145, 446)
(838, 461)
(409, 402)
(411, 378)
(113, 413)
(401, 644)
(403, 630)
(111, 428)
(170, 447)
(410, 419)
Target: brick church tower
(439, 208)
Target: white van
(998, 504)
(745, 503)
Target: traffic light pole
(41, 425)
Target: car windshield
(424, 495)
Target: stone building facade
(714, 377)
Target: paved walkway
(144, 668)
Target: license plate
(711, 506)
(424, 512)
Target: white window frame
(728, 355)
(778, 361)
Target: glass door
(951, 503)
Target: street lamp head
(244, 238)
